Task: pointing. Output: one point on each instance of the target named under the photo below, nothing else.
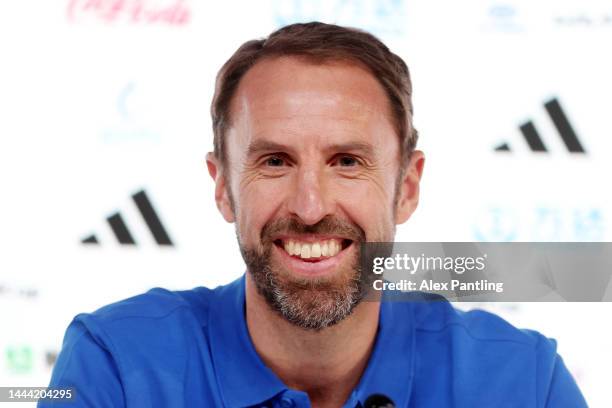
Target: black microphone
(378, 401)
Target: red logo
(170, 12)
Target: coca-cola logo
(170, 12)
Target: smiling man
(314, 154)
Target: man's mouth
(313, 251)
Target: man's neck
(326, 364)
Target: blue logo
(540, 224)
(129, 125)
(381, 17)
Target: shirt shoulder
(153, 308)
(150, 326)
(142, 351)
(479, 325)
(493, 358)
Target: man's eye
(275, 161)
(347, 161)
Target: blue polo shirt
(192, 349)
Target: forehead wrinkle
(333, 139)
(336, 123)
(288, 105)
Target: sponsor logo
(129, 124)
(562, 124)
(147, 12)
(386, 17)
(121, 230)
(24, 292)
(540, 224)
(503, 17)
(19, 359)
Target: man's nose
(310, 200)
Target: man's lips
(312, 248)
(307, 264)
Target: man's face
(312, 171)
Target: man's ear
(222, 199)
(408, 198)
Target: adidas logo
(121, 231)
(562, 124)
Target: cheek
(258, 202)
(374, 191)
(369, 204)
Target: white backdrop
(102, 99)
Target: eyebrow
(362, 147)
(261, 146)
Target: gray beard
(312, 304)
(308, 305)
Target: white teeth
(325, 249)
(316, 250)
(308, 250)
(334, 248)
(289, 247)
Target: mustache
(329, 225)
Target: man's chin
(310, 297)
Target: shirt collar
(245, 380)
(242, 376)
(390, 369)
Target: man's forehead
(293, 88)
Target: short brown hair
(319, 42)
